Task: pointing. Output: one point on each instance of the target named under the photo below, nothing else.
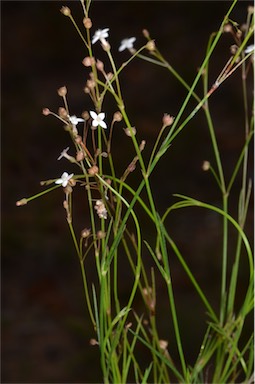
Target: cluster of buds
(100, 209)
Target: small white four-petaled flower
(101, 35)
(249, 49)
(127, 44)
(64, 179)
(75, 120)
(98, 119)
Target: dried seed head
(85, 233)
(101, 210)
(66, 11)
(46, 111)
(88, 61)
(65, 205)
(117, 116)
(128, 131)
(62, 91)
(87, 22)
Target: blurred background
(45, 325)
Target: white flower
(100, 34)
(75, 120)
(127, 44)
(64, 179)
(65, 154)
(98, 119)
(249, 49)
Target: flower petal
(103, 124)
(101, 116)
(93, 114)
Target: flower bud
(146, 33)
(128, 131)
(85, 115)
(87, 22)
(93, 170)
(117, 116)
(151, 45)
(62, 112)
(88, 61)
(80, 156)
(100, 65)
(62, 91)
(66, 11)
(206, 165)
(167, 120)
(46, 111)
(21, 202)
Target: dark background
(45, 327)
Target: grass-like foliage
(116, 230)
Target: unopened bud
(78, 139)
(142, 145)
(85, 115)
(62, 91)
(46, 111)
(87, 22)
(167, 120)
(66, 11)
(88, 61)
(100, 65)
(21, 202)
(206, 165)
(163, 344)
(62, 112)
(93, 170)
(146, 33)
(100, 235)
(93, 342)
(228, 28)
(80, 156)
(250, 9)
